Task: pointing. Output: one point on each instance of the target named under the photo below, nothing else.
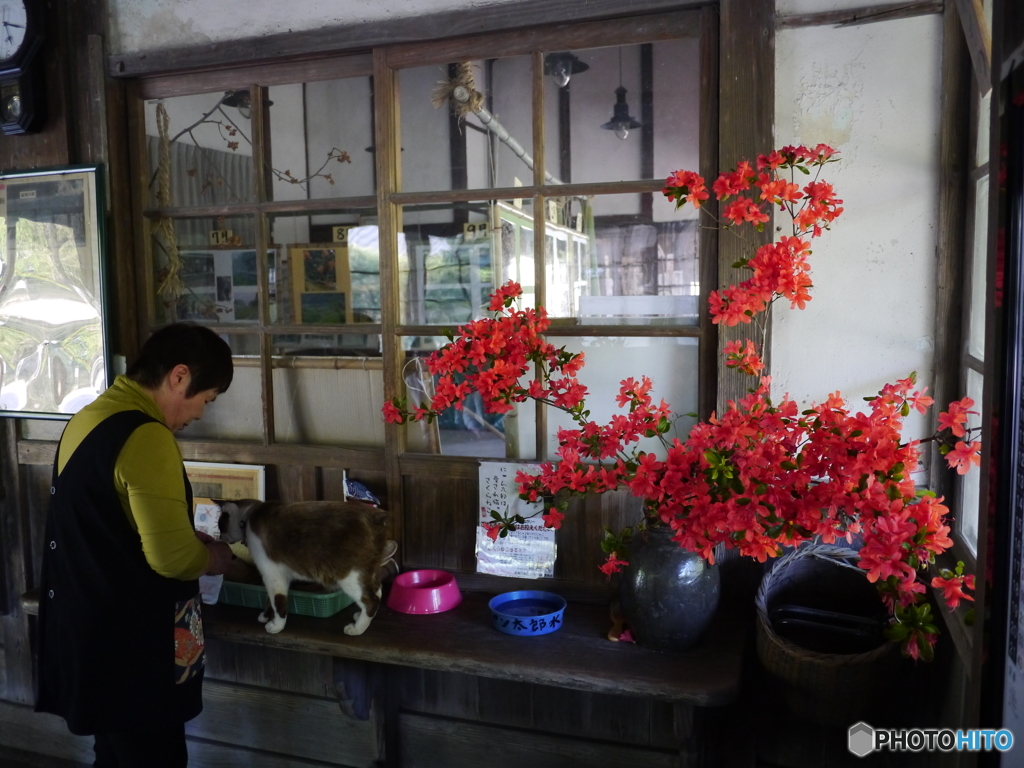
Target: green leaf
(905, 410)
(802, 170)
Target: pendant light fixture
(622, 122)
(561, 65)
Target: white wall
(872, 92)
(148, 25)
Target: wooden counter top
(578, 656)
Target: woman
(120, 631)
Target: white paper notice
(529, 551)
(207, 519)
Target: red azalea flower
(553, 518)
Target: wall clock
(21, 93)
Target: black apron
(106, 618)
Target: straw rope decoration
(446, 88)
(171, 286)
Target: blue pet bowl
(527, 613)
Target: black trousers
(150, 748)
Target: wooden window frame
(728, 56)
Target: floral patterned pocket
(189, 646)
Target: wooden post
(746, 114)
(386, 139)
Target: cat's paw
(264, 618)
(275, 626)
(360, 621)
(356, 628)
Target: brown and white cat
(338, 544)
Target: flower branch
(762, 475)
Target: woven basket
(319, 604)
(826, 688)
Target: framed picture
(226, 481)
(220, 285)
(53, 326)
(221, 481)
(321, 283)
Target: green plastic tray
(320, 604)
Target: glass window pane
(670, 363)
(236, 414)
(970, 484)
(207, 274)
(322, 401)
(979, 261)
(984, 121)
(632, 113)
(440, 153)
(453, 256)
(329, 270)
(466, 432)
(199, 149)
(609, 260)
(321, 139)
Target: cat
(338, 544)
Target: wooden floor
(16, 758)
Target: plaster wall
(148, 25)
(872, 92)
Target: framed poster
(226, 481)
(221, 481)
(220, 285)
(53, 323)
(321, 283)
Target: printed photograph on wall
(321, 284)
(221, 285)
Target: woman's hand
(220, 554)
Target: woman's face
(190, 409)
(172, 398)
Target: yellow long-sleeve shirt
(148, 480)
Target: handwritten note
(529, 551)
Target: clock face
(13, 23)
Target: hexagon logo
(861, 739)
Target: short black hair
(206, 354)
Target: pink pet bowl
(424, 592)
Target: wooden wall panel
(536, 707)
(431, 742)
(296, 482)
(440, 527)
(286, 724)
(15, 535)
(36, 484)
(281, 670)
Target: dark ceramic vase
(668, 595)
